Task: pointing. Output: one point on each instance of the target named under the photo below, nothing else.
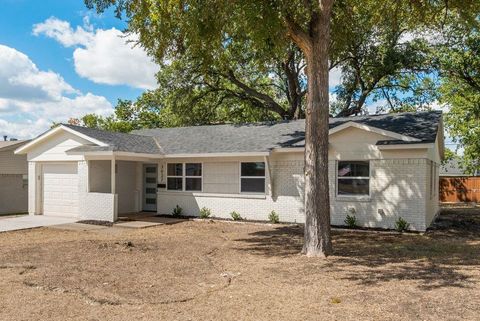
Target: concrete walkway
(29, 221)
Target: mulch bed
(96, 222)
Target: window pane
(174, 183)
(353, 169)
(150, 169)
(253, 169)
(150, 190)
(175, 169)
(253, 185)
(348, 186)
(151, 180)
(151, 201)
(193, 169)
(193, 184)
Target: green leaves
(459, 62)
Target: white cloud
(20, 78)
(31, 99)
(62, 32)
(103, 56)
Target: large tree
(386, 61)
(458, 59)
(168, 28)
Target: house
(381, 168)
(13, 178)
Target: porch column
(113, 175)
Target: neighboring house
(456, 186)
(13, 179)
(380, 167)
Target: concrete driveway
(28, 221)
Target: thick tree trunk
(317, 201)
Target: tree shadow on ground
(443, 257)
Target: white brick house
(380, 168)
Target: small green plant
(351, 221)
(273, 217)
(401, 225)
(177, 211)
(236, 216)
(205, 212)
(335, 300)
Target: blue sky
(66, 61)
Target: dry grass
(221, 271)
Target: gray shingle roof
(120, 141)
(258, 137)
(12, 144)
(262, 137)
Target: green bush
(351, 221)
(401, 225)
(273, 217)
(236, 216)
(177, 211)
(205, 212)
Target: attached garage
(60, 189)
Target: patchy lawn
(222, 271)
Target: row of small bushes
(350, 221)
(206, 213)
(400, 224)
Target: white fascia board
(374, 130)
(407, 146)
(240, 154)
(23, 149)
(288, 150)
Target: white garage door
(60, 189)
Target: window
(25, 181)
(433, 179)
(252, 177)
(184, 177)
(353, 178)
(174, 177)
(193, 177)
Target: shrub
(273, 217)
(236, 216)
(401, 225)
(205, 212)
(351, 221)
(177, 211)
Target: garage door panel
(60, 189)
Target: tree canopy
(459, 63)
(206, 36)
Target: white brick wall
(95, 206)
(98, 206)
(398, 189)
(32, 179)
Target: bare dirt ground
(223, 271)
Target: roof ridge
(272, 122)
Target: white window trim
(184, 177)
(354, 196)
(264, 177)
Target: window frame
(354, 196)
(184, 177)
(264, 177)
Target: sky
(60, 60)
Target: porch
(118, 187)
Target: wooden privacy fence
(459, 189)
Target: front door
(150, 187)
